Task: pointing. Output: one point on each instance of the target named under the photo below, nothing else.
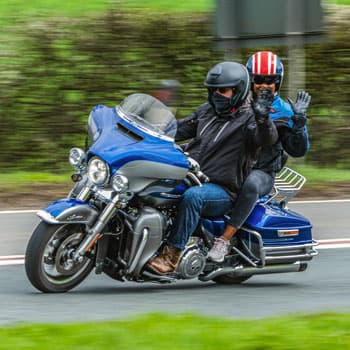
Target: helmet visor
(266, 79)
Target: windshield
(149, 114)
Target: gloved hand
(299, 108)
(262, 106)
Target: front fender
(68, 210)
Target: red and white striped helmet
(265, 65)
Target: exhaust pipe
(240, 270)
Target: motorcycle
(124, 202)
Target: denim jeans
(207, 200)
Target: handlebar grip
(202, 177)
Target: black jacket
(225, 148)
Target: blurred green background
(60, 58)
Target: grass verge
(158, 331)
(314, 176)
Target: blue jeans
(197, 201)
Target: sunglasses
(265, 79)
(222, 90)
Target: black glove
(299, 108)
(262, 106)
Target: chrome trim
(287, 184)
(144, 239)
(84, 193)
(260, 241)
(159, 278)
(291, 247)
(170, 196)
(294, 256)
(240, 271)
(194, 178)
(97, 228)
(47, 217)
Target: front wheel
(48, 262)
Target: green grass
(314, 176)
(18, 182)
(310, 332)
(23, 178)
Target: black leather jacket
(226, 148)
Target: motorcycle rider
(226, 133)
(266, 73)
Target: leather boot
(166, 261)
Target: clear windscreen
(149, 114)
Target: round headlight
(98, 171)
(76, 157)
(120, 183)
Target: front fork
(95, 231)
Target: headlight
(76, 157)
(98, 171)
(120, 183)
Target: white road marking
(17, 211)
(292, 202)
(321, 201)
(323, 244)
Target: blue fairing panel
(131, 143)
(68, 210)
(268, 219)
(57, 207)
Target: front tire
(48, 265)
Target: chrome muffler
(240, 270)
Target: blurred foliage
(53, 71)
(187, 332)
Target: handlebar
(195, 174)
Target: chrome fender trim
(81, 214)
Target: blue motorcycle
(124, 202)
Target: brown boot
(166, 261)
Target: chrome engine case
(192, 260)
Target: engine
(192, 261)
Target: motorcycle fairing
(68, 210)
(141, 156)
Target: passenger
(266, 74)
(225, 134)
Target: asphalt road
(324, 286)
(330, 220)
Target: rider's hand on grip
(202, 177)
(262, 105)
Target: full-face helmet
(228, 74)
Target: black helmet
(229, 74)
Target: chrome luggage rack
(287, 184)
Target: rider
(226, 133)
(266, 73)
